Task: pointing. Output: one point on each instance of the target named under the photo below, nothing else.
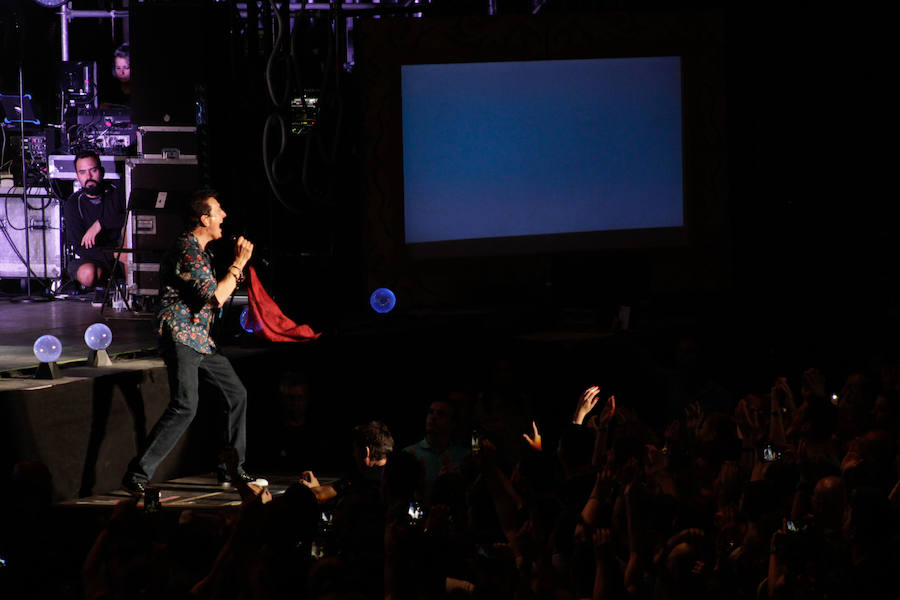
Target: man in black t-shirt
(94, 218)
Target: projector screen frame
(695, 255)
(572, 241)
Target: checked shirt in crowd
(188, 285)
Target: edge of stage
(86, 424)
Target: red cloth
(268, 322)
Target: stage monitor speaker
(156, 189)
(161, 174)
(41, 219)
(156, 219)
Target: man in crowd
(189, 296)
(94, 218)
(372, 443)
(358, 507)
(438, 450)
(292, 440)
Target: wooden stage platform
(196, 493)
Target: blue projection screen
(494, 150)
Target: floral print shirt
(187, 304)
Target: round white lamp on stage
(47, 349)
(98, 337)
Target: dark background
(795, 263)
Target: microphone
(253, 258)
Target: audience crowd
(790, 492)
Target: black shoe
(225, 480)
(134, 486)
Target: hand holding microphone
(258, 260)
(243, 250)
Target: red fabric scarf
(268, 322)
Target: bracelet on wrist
(236, 273)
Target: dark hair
(122, 51)
(376, 436)
(87, 154)
(197, 206)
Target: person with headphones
(119, 93)
(94, 218)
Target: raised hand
(780, 395)
(308, 479)
(608, 412)
(534, 442)
(747, 414)
(785, 395)
(813, 384)
(586, 403)
(693, 416)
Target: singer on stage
(189, 296)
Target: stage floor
(196, 492)
(21, 323)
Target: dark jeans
(186, 367)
